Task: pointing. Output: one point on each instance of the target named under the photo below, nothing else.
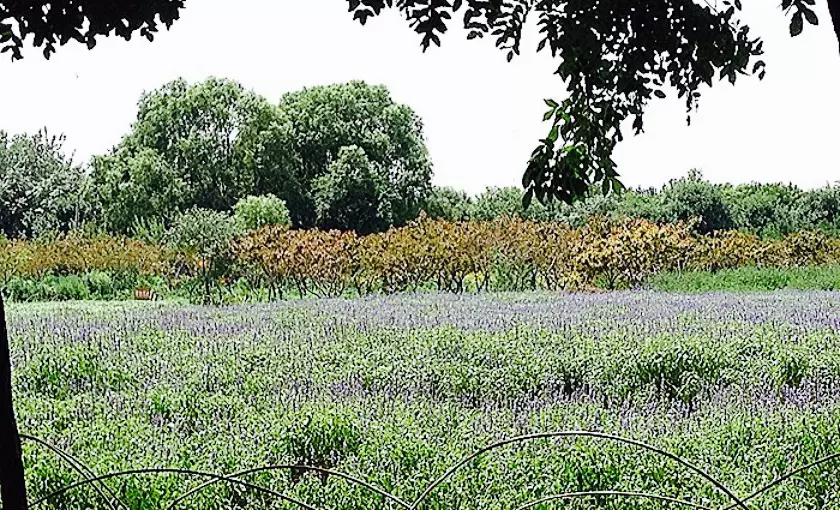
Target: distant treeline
(343, 157)
(767, 210)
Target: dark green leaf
(796, 24)
(810, 15)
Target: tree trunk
(12, 488)
(834, 9)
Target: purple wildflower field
(396, 389)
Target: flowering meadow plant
(395, 390)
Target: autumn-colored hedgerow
(75, 254)
(504, 254)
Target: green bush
(98, 285)
(101, 285)
(253, 213)
(749, 279)
(68, 288)
(691, 197)
(17, 288)
(204, 240)
(766, 210)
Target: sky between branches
(482, 115)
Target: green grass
(749, 279)
(395, 390)
(95, 285)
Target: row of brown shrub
(501, 254)
(512, 254)
(77, 254)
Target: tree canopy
(191, 145)
(385, 136)
(56, 22)
(210, 144)
(614, 57)
(40, 189)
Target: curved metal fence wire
(89, 478)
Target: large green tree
(40, 189)
(192, 145)
(326, 120)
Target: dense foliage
(321, 150)
(41, 191)
(395, 390)
(209, 255)
(253, 213)
(340, 157)
(191, 146)
(767, 210)
(448, 203)
(351, 196)
(358, 132)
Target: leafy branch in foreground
(615, 56)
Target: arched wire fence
(89, 478)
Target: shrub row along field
(395, 390)
(427, 254)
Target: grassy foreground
(395, 390)
(750, 279)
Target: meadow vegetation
(209, 256)
(396, 389)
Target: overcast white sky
(482, 115)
